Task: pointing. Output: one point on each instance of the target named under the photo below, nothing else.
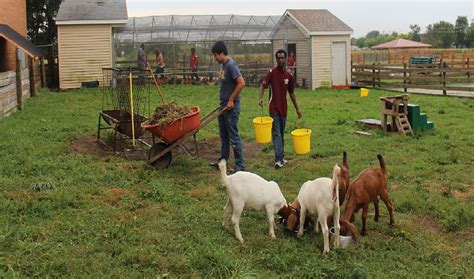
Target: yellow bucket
(364, 92)
(301, 140)
(263, 129)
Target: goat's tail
(336, 177)
(382, 163)
(223, 169)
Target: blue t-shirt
(227, 75)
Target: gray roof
(103, 10)
(20, 41)
(319, 21)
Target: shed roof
(15, 38)
(319, 22)
(92, 12)
(401, 43)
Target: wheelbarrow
(175, 133)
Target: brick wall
(13, 14)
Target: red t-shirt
(193, 61)
(280, 81)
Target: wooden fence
(18, 85)
(445, 77)
(252, 72)
(401, 56)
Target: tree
(460, 30)
(41, 23)
(469, 39)
(360, 42)
(415, 33)
(441, 34)
(372, 34)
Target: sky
(361, 16)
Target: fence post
(19, 87)
(378, 75)
(373, 75)
(43, 73)
(443, 77)
(405, 77)
(467, 65)
(32, 77)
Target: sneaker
(285, 161)
(215, 164)
(279, 164)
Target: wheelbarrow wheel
(162, 162)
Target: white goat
(319, 199)
(248, 190)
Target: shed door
(339, 63)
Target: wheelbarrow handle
(210, 117)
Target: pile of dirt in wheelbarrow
(168, 113)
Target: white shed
(85, 38)
(321, 43)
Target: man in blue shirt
(231, 82)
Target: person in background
(141, 58)
(291, 65)
(280, 81)
(160, 63)
(194, 63)
(232, 83)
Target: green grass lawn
(106, 216)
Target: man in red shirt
(193, 63)
(280, 81)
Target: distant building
(321, 43)
(85, 38)
(401, 44)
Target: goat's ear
(292, 221)
(345, 161)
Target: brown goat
(365, 189)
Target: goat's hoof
(364, 233)
(325, 253)
(392, 225)
(299, 235)
(376, 219)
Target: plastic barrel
(301, 140)
(263, 129)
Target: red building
(13, 14)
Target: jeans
(160, 70)
(278, 136)
(229, 133)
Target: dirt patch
(426, 222)
(89, 145)
(208, 149)
(112, 196)
(463, 196)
